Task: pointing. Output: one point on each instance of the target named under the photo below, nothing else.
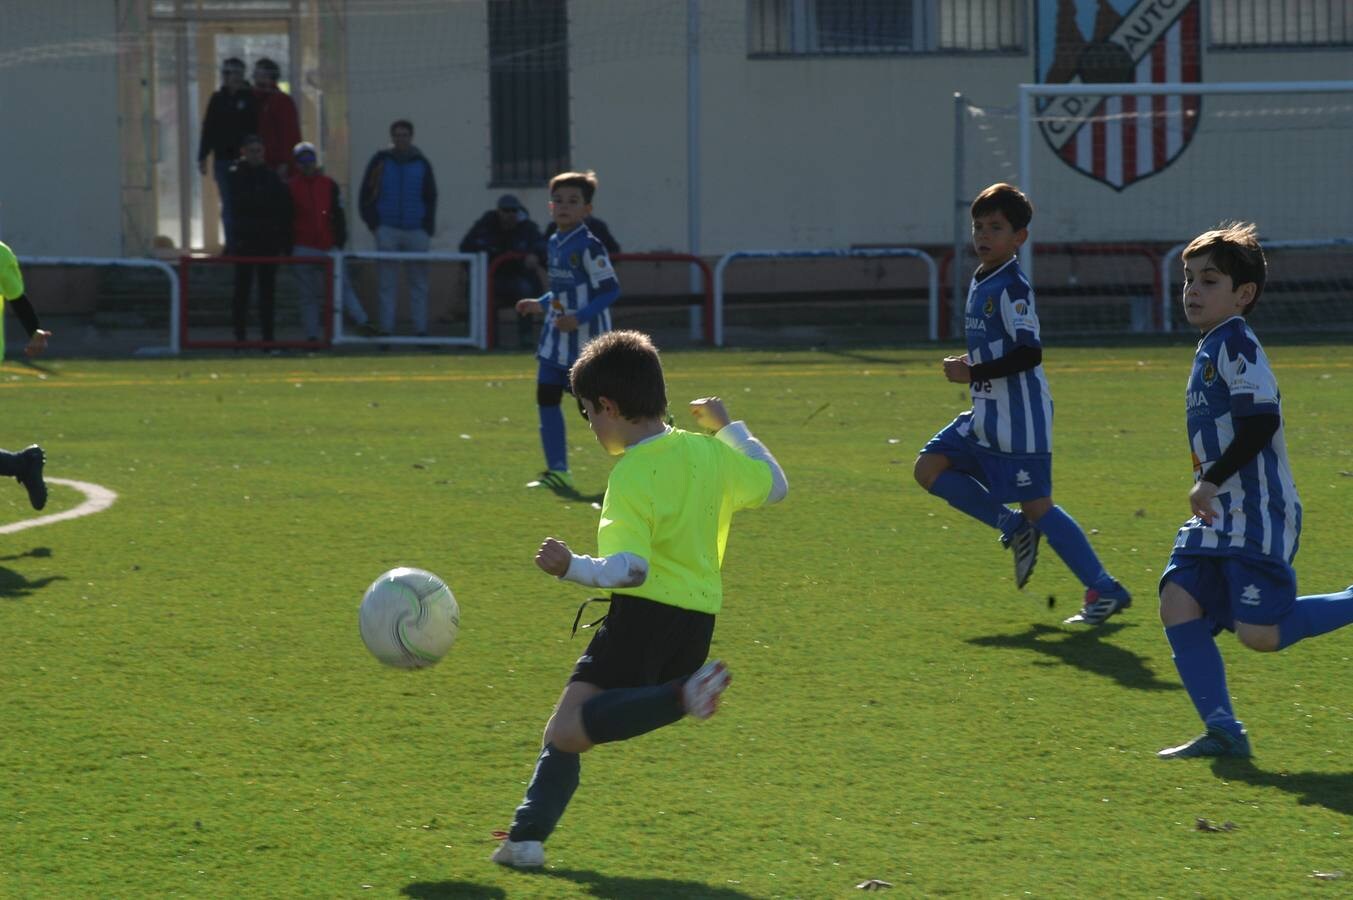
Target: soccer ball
(409, 618)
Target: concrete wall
(59, 172)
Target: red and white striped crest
(1121, 139)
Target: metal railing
(932, 282)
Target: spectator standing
(599, 230)
(399, 204)
(262, 227)
(232, 112)
(319, 225)
(509, 229)
(278, 124)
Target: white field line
(97, 499)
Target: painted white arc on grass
(97, 499)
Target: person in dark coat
(509, 229)
(262, 227)
(232, 112)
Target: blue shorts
(1010, 477)
(1234, 589)
(551, 374)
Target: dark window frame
(792, 29)
(529, 117)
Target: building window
(779, 28)
(528, 90)
(1281, 23)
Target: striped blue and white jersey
(1258, 512)
(583, 284)
(1012, 414)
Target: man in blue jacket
(398, 203)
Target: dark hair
(401, 123)
(1007, 200)
(583, 181)
(233, 62)
(269, 66)
(624, 367)
(1234, 250)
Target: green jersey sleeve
(11, 279)
(747, 480)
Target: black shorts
(643, 642)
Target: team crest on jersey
(989, 307)
(1209, 373)
(1118, 140)
(574, 260)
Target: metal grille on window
(528, 90)
(1281, 23)
(779, 28)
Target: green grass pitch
(186, 708)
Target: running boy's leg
(947, 467)
(551, 381)
(1104, 596)
(556, 773)
(26, 468)
(1315, 614)
(1187, 584)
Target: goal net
(1121, 175)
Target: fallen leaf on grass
(874, 884)
(1208, 825)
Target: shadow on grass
(1085, 649)
(595, 883)
(1332, 790)
(446, 890)
(600, 885)
(14, 585)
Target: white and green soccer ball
(409, 618)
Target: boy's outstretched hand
(709, 413)
(37, 343)
(956, 369)
(526, 306)
(553, 557)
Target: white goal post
(1077, 99)
(1118, 172)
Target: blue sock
(552, 438)
(551, 787)
(623, 713)
(1204, 674)
(1315, 615)
(1069, 542)
(968, 495)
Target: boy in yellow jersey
(664, 526)
(26, 465)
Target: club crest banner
(1118, 140)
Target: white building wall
(59, 159)
(802, 152)
(430, 66)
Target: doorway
(190, 41)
